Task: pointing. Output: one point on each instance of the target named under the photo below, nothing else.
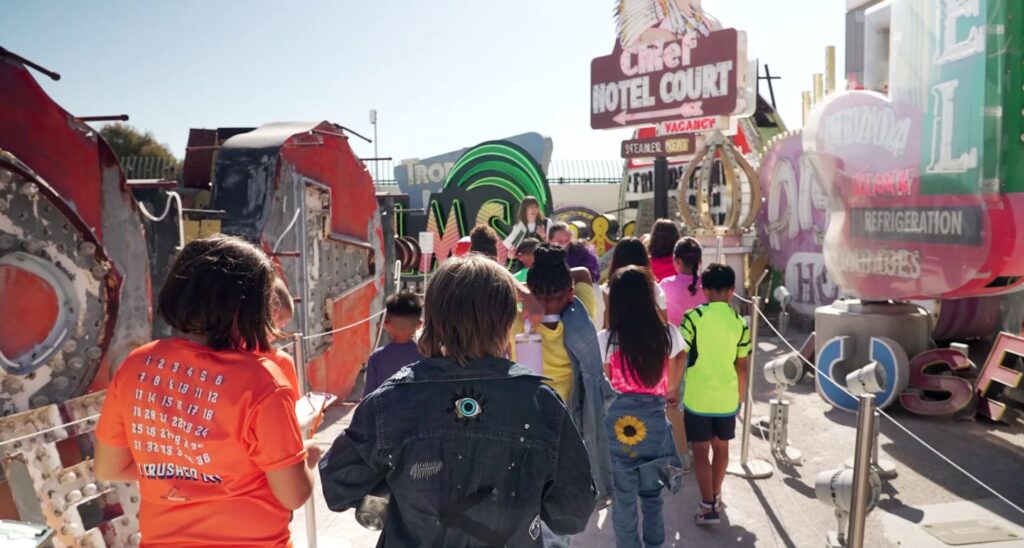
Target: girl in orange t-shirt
(204, 421)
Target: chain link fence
(559, 172)
(150, 167)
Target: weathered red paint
(78, 173)
(30, 310)
(48, 139)
(353, 209)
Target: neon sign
(885, 352)
(485, 185)
(668, 64)
(792, 223)
(928, 172)
(1003, 371)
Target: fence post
(862, 470)
(750, 468)
(300, 369)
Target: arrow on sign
(687, 110)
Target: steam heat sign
(689, 76)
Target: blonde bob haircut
(468, 310)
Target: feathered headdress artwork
(635, 17)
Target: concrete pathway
(782, 511)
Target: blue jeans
(644, 462)
(629, 486)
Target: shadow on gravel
(772, 516)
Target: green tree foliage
(128, 141)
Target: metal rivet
(29, 189)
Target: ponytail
(688, 251)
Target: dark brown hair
(629, 251)
(550, 274)
(525, 205)
(468, 310)
(664, 236)
(283, 301)
(404, 304)
(527, 246)
(483, 239)
(688, 251)
(557, 227)
(635, 326)
(221, 287)
(718, 277)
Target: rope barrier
(906, 430)
(96, 416)
(48, 430)
(286, 230)
(172, 197)
(343, 328)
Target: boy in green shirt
(718, 343)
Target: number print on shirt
(169, 405)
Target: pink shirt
(621, 380)
(678, 299)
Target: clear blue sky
(442, 74)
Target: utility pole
(769, 78)
(376, 163)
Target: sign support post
(661, 187)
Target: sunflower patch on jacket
(640, 437)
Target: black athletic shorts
(703, 428)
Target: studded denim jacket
(472, 456)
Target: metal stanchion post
(300, 370)
(862, 470)
(750, 468)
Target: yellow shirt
(557, 365)
(586, 294)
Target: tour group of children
(472, 448)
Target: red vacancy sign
(690, 76)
